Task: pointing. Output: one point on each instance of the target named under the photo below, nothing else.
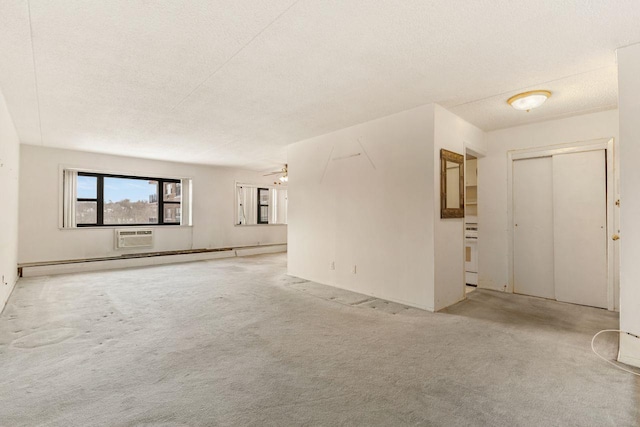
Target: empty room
(295, 212)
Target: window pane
(264, 196)
(172, 192)
(87, 187)
(130, 201)
(86, 212)
(172, 213)
(264, 214)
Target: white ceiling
(232, 82)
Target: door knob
(615, 237)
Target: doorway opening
(471, 221)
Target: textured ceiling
(233, 82)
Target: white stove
(471, 250)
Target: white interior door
(580, 227)
(533, 259)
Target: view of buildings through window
(263, 206)
(172, 196)
(114, 200)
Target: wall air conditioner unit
(133, 239)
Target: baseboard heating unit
(141, 260)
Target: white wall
(453, 134)
(377, 215)
(629, 105)
(9, 166)
(41, 239)
(492, 181)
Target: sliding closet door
(533, 227)
(580, 228)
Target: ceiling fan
(284, 172)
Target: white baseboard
(114, 264)
(629, 350)
(382, 296)
(257, 250)
(3, 304)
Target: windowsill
(259, 225)
(113, 227)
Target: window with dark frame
(171, 202)
(263, 206)
(107, 200)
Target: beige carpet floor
(237, 342)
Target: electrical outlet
(354, 270)
(332, 265)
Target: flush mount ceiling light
(528, 100)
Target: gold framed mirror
(451, 184)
